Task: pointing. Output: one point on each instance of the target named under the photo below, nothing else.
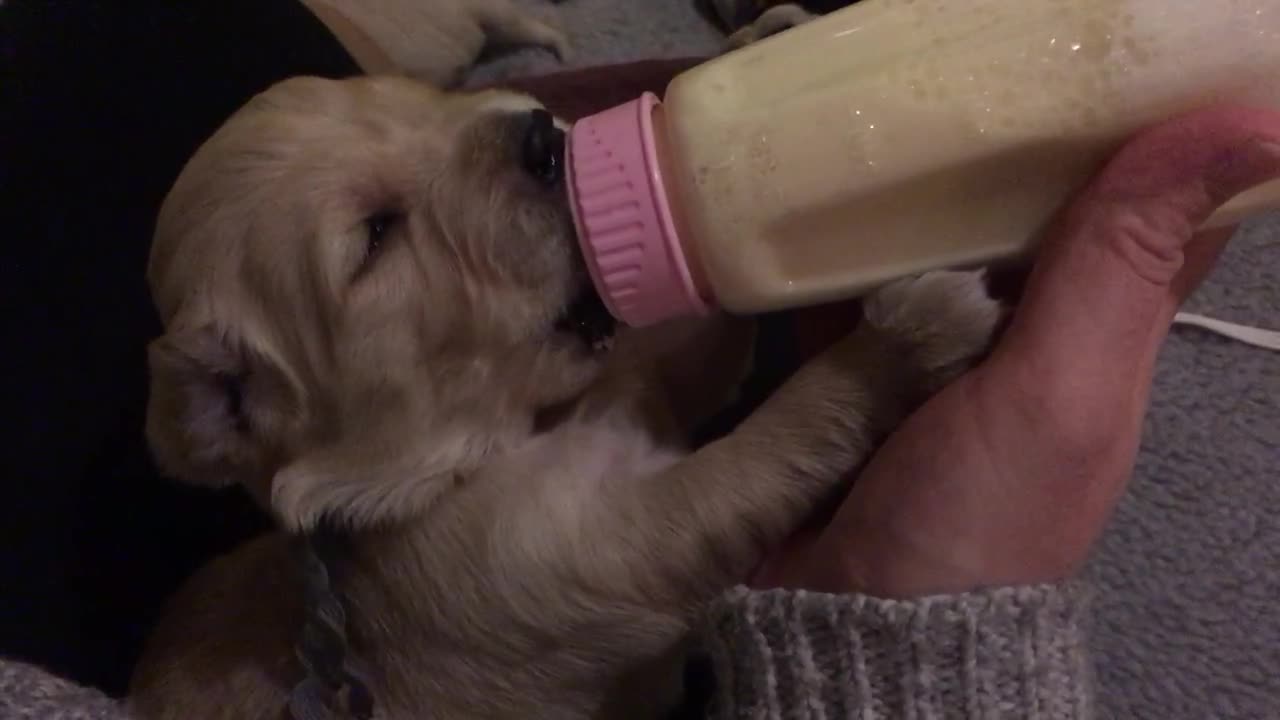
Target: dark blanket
(101, 103)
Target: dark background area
(100, 105)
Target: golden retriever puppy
(378, 322)
(436, 41)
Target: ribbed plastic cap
(623, 217)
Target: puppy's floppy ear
(218, 411)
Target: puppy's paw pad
(775, 20)
(741, 39)
(945, 319)
(563, 50)
(552, 39)
(512, 30)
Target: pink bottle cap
(623, 217)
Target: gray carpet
(1188, 622)
(1188, 625)
(611, 31)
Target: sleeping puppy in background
(437, 41)
(747, 21)
(378, 323)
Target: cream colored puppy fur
(529, 535)
(432, 40)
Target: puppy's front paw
(507, 26)
(773, 21)
(540, 33)
(555, 41)
(943, 320)
(741, 38)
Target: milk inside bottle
(889, 138)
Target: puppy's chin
(588, 322)
(575, 350)
(586, 319)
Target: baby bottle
(890, 138)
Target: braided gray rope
(333, 687)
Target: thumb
(1108, 281)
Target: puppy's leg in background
(506, 24)
(705, 523)
(771, 22)
(372, 57)
(734, 14)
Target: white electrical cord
(1258, 337)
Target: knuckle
(1149, 238)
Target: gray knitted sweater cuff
(1004, 653)
(31, 693)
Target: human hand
(1008, 476)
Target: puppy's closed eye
(232, 386)
(378, 229)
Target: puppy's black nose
(543, 151)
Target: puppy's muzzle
(543, 150)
